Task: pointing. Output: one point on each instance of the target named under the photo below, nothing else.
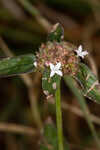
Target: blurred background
(24, 109)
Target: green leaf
(89, 83)
(49, 85)
(50, 135)
(56, 34)
(70, 82)
(17, 65)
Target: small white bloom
(35, 64)
(81, 53)
(55, 69)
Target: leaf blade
(17, 65)
(89, 82)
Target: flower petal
(58, 65)
(52, 66)
(59, 72)
(52, 73)
(80, 49)
(84, 53)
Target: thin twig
(34, 12)
(13, 128)
(13, 7)
(65, 20)
(78, 112)
(33, 104)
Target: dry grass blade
(13, 128)
(34, 12)
(78, 112)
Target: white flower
(55, 69)
(35, 64)
(81, 53)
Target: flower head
(55, 69)
(54, 52)
(81, 53)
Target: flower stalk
(59, 118)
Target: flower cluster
(60, 58)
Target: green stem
(59, 118)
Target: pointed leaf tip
(56, 33)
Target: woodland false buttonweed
(55, 69)
(81, 53)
